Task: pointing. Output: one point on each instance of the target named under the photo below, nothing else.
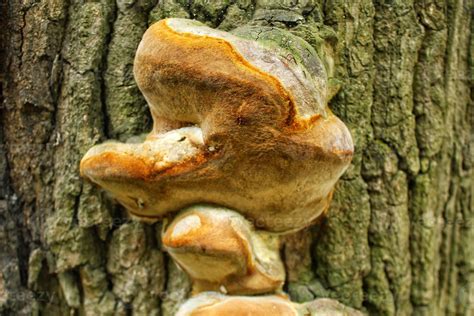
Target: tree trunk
(398, 238)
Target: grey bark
(399, 237)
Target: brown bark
(398, 239)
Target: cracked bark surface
(398, 238)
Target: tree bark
(398, 238)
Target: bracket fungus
(238, 122)
(213, 304)
(243, 148)
(221, 251)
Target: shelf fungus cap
(240, 120)
(222, 252)
(210, 304)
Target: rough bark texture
(399, 237)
